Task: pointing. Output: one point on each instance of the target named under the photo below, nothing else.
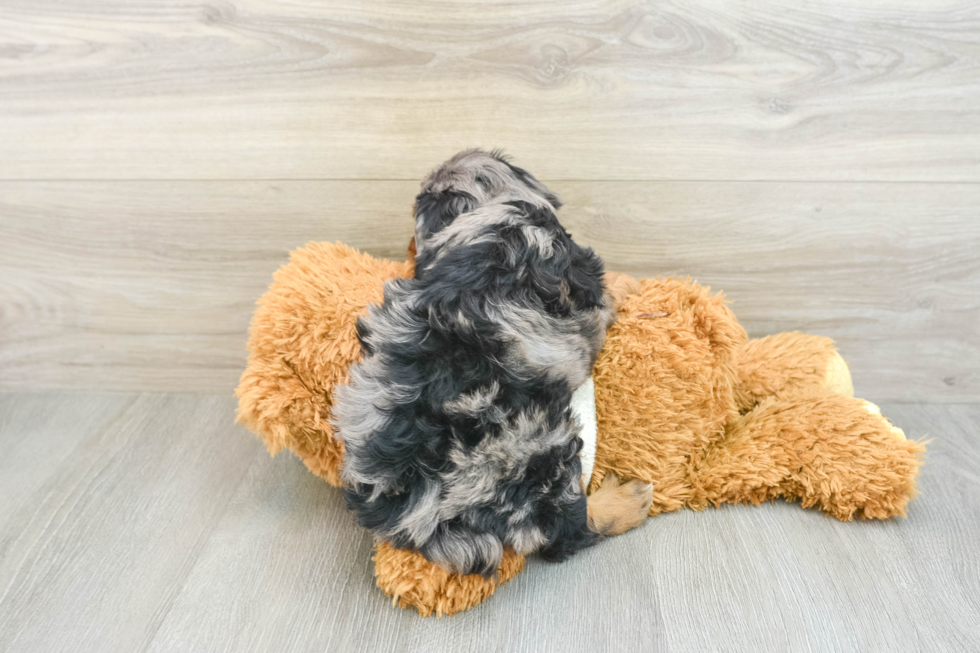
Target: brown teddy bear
(682, 399)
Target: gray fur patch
(526, 539)
(421, 521)
(473, 403)
(563, 348)
(540, 239)
(454, 549)
(489, 180)
(477, 472)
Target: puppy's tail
(615, 508)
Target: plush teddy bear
(682, 399)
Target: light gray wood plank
(151, 534)
(619, 89)
(106, 503)
(780, 578)
(287, 569)
(151, 285)
(43, 433)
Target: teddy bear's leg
(414, 582)
(788, 364)
(827, 450)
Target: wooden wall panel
(265, 89)
(150, 285)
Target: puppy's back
(456, 425)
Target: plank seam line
(544, 179)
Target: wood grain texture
(106, 501)
(263, 89)
(151, 285)
(133, 528)
(820, 162)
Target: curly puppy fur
(458, 434)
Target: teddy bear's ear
(620, 286)
(302, 342)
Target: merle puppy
(456, 423)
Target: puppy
(456, 423)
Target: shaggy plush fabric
(683, 400)
(787, 364)
(829, 451)
(664, 386)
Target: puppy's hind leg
(615, 508)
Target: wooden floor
(151, 523)
(819, 162)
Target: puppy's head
(467, 181)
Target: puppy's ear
(435, 211)
(584, 277)
(532, 182)
(572, 281)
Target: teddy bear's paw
(615, 508)
(874, 410)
